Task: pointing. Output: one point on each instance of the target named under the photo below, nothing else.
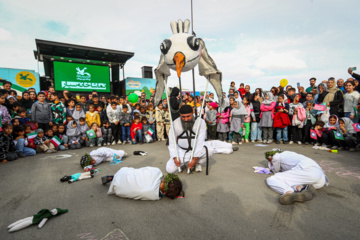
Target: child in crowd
(297, 116)
(20, 142)
(4, 113)
(242, 90)
(309, 122)
(71, 107)
(92, 116)
(145, 128)
(150, 115)
(256, 130)
(167, 123)
(55, 129)
(160, 120)
(42, 143)
(78, 113)
(102, 113)
(113, 114)
(211, 120)
(136, 108)
(107, 133)
(250, 115)
(7, 146)
(83, 103)
(136, 130)
(142, 112)
(58, 109)
(319, 129)
(74, 135)
(237, 122)
(330, 128)
(15, 121)
(22, 116)
(83, 128)
(125, 122)
(41, 112)
(349, 134)
(223, 123)
(26, 102)
(98, 139)
(232, 86)
(65, 139)
(281, 120)
(15, 109)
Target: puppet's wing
(162, 72)
(208, 69)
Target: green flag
(338, 136)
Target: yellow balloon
(283, 82)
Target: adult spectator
(340, 85)
(356, 76)
(247, 91)
(312, 85)
(334, 97)
(51, 89)
(319, 97)
(351, 100)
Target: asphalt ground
(232, 202)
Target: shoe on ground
(20, 154)
(125, 154)
(352, 149)
(91, 145)
(235, 149)
(119, 142)
(340, 148)
(328, 146)
(334, 147)
(252, 141)
(65, 178)
(246, 140)
(105, 180)
(113, 143)
(198, 167)
(306, 143)
(269, 141)
(299, 142)
(286, 142)
(164, 140)
(277, 142)
(291, 142)
(233, 142)
(124, 142)
(264, 141)
(48, 151)
(108, 144)
(53, 150)
(306, 194)
(240, 143)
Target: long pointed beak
(179, 60)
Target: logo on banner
(25, 79)
(81, 75)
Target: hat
(213, 105)
(272, 152)
(39, 130)
(85, 160)
(186, 109)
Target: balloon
(133, 98)
(283, 82)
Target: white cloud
(5, 35)
(280, 61)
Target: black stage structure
(50, 51)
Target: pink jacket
(225, 116)
(301, 114)
(265, 108)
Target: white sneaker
(108, 144)
(299, 143)
(291, 142)
(252, 141)
(240, 143)
(113, 143)
(91, 145)
(264, 141)
(198, 167)
(246, 140)
(119, 142)
(334, 147)
(164, 140)
(270, 141)
(124, 142)
(233, 142)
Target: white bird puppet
(182, 52)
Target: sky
(252, 42)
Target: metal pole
(172, 124)
(198, 125)
(193, 71)
(180, 91)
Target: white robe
(104, 154)
(292, 169)
(140, 184)
(200, 152)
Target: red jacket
(133, 127)
(242, 91)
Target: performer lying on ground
(145, 183)
(185, 128)
(293, 175)
(100, 155)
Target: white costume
(140, 184)
(104, 154)
(183, 144)
(291, 170)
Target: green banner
(81, 77)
